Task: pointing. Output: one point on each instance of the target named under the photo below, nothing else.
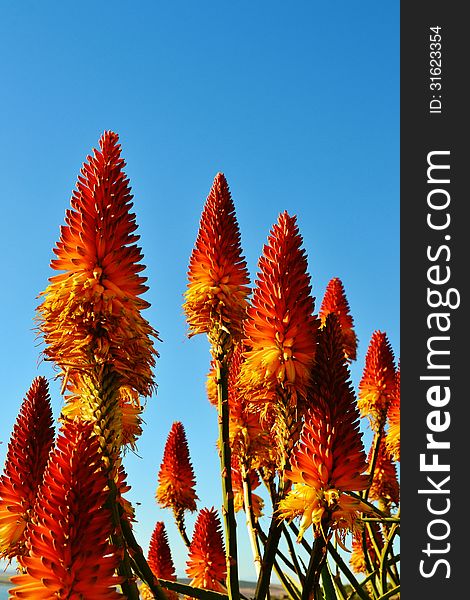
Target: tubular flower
(384, 487)
(335, 301)
(393, 415)
(377, 385)
(206, 560)
(129, 410)
(358, 560)
(91, 313)
(280, 329)
(176, 481)
(69, 553)
(28, 451)
(329, 460)
(216, 298)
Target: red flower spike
(69, 553)
(28, 451)
(159, 557)
(176, 481)
(206, 561)
(393, 415)
(329, 459)
(280, 330)
(335, 301)
(91, 313)
(377, 385)
(218, 277)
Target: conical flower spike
(159, 558)
(69, 553)
(280, 330)
(393, 415)
(176, 482)
(335, 301)
(91, 313)
(206, 560)
(28, 451)
(377, 385)
(216, 298)
(329, 460)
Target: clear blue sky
(296, 102)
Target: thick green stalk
(250, 520)
(137, 557)
(312, 579)
(230, 524)
(347, 572)
(193, 592)
(179, 520)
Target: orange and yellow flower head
(68, 549)
(280, 330)
(216, 297)
(393, 417)
(90, 317)
(206, 565)
(329, 461)
(30, 444)
(176, 482)
(377, 385)
(335, 301)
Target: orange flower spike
(28, 451)
(335, 301)
(377, 385)
(206, 560)
(91, 313)
(176, 482)
(393, 415)
(69, 552)
(357, 560)
(218, 276)
(329, 459)
(159, 558)
(280, 330)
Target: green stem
(390, 593)
(327, 582)
(293, 555)
(250, 520)
(347, 572)
(288, 587)
(282, 556)
(375, 454)
(312, 579)
(179, 520)
(140, 564)
(193, 592)
(384, 567)
(230, 524)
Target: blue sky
(297, 103)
